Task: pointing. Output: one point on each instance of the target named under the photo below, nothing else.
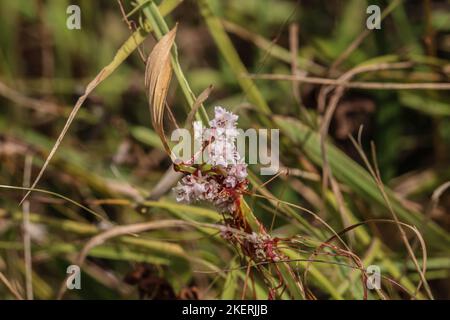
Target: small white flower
(223, 119)
(253, 237)
(198, 130)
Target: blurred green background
(111, 151)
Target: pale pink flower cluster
(219, 142)
(227, 233)
(219, 139)
(262, 245)
(196, 187)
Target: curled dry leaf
(158, 73)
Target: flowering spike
(225, 180)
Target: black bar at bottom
(218, 309)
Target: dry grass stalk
(26, 230)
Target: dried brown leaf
(158, 73)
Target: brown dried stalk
(355, 84)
